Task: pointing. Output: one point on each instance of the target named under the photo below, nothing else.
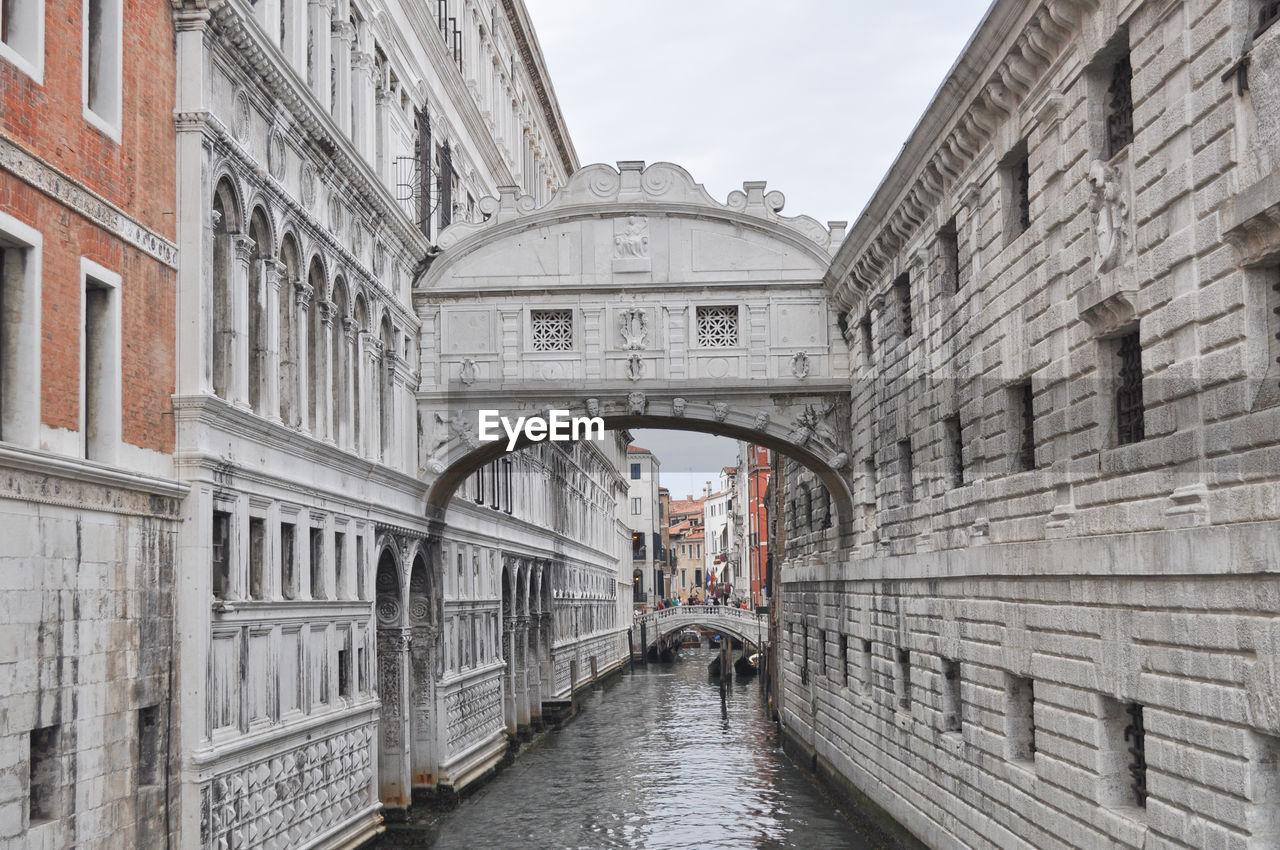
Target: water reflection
(657, 760)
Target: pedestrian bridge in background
(746, 625)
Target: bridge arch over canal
(634, 296)
(746, 625)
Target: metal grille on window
(1275, 311)
(1120, 107)
(717, 327)
(1027, 445)
(1129, 408)
(445, 159)
(1135, 736)
(552, 330)
(1022, 193)
(1267, 15)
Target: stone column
(362, 78)
(343, 34)
(522, 675)
(350, 364)
(244, 249)
(394, 786)
(373, 372)
(295, 35)
(533, 670)
(382, 157)
(303, 293)
(272, 269)
(320, 14)
(509, 675)
(324, 406)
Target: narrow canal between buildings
(656, 760)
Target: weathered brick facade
(87, 510)
(1056, 626)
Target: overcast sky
(814, 96)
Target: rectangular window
(148, 745)
(22, 36)
(955, 451)
(844, 659)
(636, 506)
(19, 332)
(949, 258)
(257, 544)
(951, 703)
(822, 651)
(100, 375)
(804, 669)
(1263, 752)
(1015, 174)
(509, 492)
(902, 294)
(344, 672)
(864, 334)
(717, 327)
(904, 679)
(1020, 718)
(221, 554)
(906, 472)
(288, 567)
(316, 551)
(1129, 408)
(1124, 756)
(361, 671)
(103, 41)
(1119, 105)
(697, 578)
(635, 472)
(360, 568)
(551, 330)
(868, 678)
(1022, 403)
(45, 779)
(340, 565)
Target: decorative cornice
(65, 190)
(995, 76)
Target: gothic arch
(227, 223)
(290, 274)
(259, 290)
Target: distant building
(754, 464)
(687, 544)
(643, 516)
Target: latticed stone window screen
(552, 330)
(717, 327)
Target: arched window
(805, 519)
(225, 222)
(360, 314)
(385, 388)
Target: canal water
(656, 760)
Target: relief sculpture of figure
(1110, 215)
(633, 241)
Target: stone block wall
(1029, 583)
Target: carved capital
(244, 248)
(328, 311)
(274, 271)
(302, 293)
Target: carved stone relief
(1110, 216)
(633, 329)
(800, 365)
(636, 403)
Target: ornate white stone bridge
(636, 297)
(746, 625)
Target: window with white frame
(20, 252)
(103, 53)
(100, 389)
(635, 506)
(551, 330)
(22, 36)
(717, 327)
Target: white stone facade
(1055, 623)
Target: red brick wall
(137, 175)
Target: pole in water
(631, 649)
(644, 643)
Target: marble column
(343, 34)
(273, 270)
(303, 293)
(244, 249)
(319, 45)
(324, 393)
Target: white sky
(814, 96)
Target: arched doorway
(394, 788)
(422, 654)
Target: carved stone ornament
(810, 424)
(636, 403)
(467, 372)
(840, 461)
(335, 213)
(593, 407)
(678, 405)
(800, 365)
(635, 367)
(307, 183)
(1110, 216)
(762, 421)
(631, 238)
(633, 327)
(379, 259)
(276, 155)
(240, 117)
(461, 428)
(721, 410)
